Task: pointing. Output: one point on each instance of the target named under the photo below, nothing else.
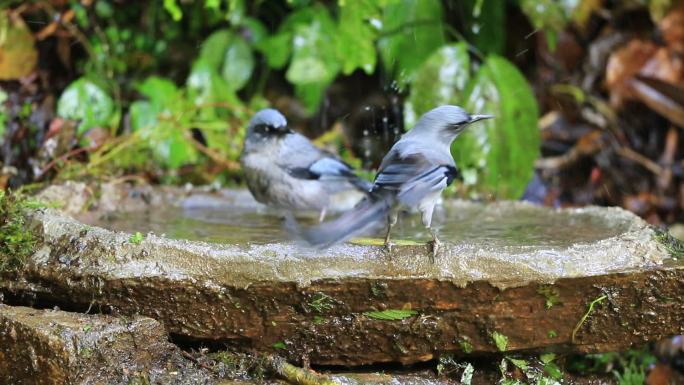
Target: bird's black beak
(476, 118)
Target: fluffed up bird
(411, 176)
(283, 169)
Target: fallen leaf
(18, 55)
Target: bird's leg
(436, 244)
(426, 212)
(321, 216)
(391, 221)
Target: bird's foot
(388, 247)
(435, 245)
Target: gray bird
(283, 169)
(411, 176)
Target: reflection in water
(459, 222)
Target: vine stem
(586, 315)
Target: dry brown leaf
(18, 55)
(623, 65)
(672, 28)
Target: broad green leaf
(143, 117)
(390, 314)
(205, 85)
(356, 36)
(411, 31)
(238, 64)
(497, 155)
(213, 51)
(547, 357)
(160, 91)
(310, 94)
(442, 79)
(87, 102)
(486, 22)
(255, 31)
(522, 364)
(230, 55)
(236, 11)
(175, 150)
(314, 59)
(276, 49)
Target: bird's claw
(435, 245)
(388, 247)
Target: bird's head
(447, 121)
(267, 122)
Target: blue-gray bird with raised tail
(283, 169)
(411, 176)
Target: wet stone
(215, 266)
(56, 347)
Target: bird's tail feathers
(354, 222)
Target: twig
(195, 360)
(586, 315)
(61, 159)
(648, 164)
(297, 376)
(217, 158)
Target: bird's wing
(412, 177)
(301, 159)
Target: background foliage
(162, 89)
(171, 112)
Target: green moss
(16, 241)
(551, 293)
(238, 366)
(321, 302)
(136, 238)
(673, 245)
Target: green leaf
(356, 37)
(238, 64)
(173, 9)
(549, 15)
(88, 102)
(411, 31)
(205, 85)
(280, 345)
(314, 59)
(497, 155)
(161, 92)
(256, 31)
(547, 357)
(143, 117)
(310, 94)
(487, 22)
(276, 49)
(442, 79)
(230, 54)
(213, 51)
(553, 370)
(522, 364)
(500, 340)
(391, 314)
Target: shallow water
(497, 225)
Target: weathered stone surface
(56, 347)
(262, 295)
